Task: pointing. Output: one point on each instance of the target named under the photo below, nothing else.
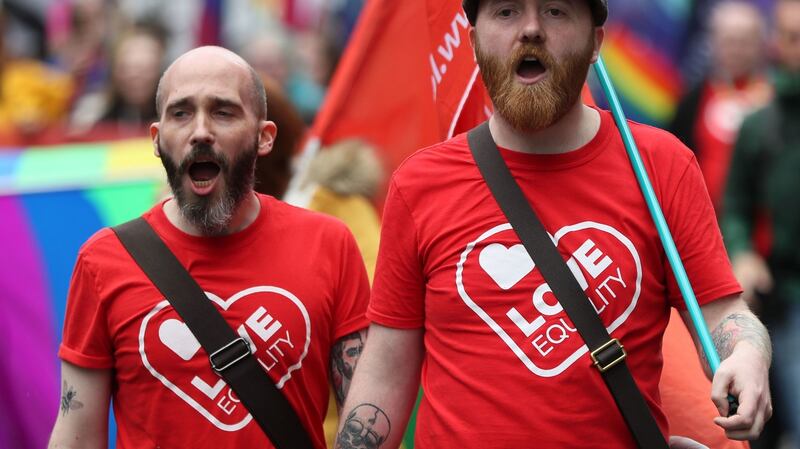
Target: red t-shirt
(292, 283)
(503, 365)
(722, 109)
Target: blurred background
(77, 86)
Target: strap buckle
(228, 355)
(607, 356)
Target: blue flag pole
(658, 217)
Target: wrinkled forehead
(198, 79)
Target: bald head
(212, 58)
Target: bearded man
(290, 282)
(458, 305)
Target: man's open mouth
(203, 173)
(530, 68)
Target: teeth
(202, 183)
(531, 59)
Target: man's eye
(555, 12)
(505, 12)
(223, 113)
(179, 114)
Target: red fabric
(449, 262)
(436, 94)
(722, 108)
(290, 271)
(404, 80)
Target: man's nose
(202, 132)
(531, 27)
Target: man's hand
(753, 274)
(676, 442)
(746, 352)
(744, 375)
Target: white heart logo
(506, 266)
(531, 324)
(177, 337)
(273, 320)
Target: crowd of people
(741, 121)
(87, 69)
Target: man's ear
(266, 137)
(154, 137)
(471, 34)
(599, 35)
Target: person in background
(312, 65)
(127, 104)
(33, 96)
(708, 116)
(269, 53)
(274, 171)
(762, 193)
(343, 179)
(78, 43)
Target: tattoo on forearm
(366, 427)
(68, 401)
(344, 358)
(741, 327)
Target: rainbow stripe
(648, 82)
(51, 200)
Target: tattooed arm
(344, 358)
(383, 390)
(82, 420)
(746, 353)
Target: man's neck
(245, 214)
(574, 130)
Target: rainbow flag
(643, 49)
(51, 200)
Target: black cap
(599, 10)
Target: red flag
(407, 79)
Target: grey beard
(209, 214)
(210, 217)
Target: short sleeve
(352, 292)
(694, 228)
(398, 293)
(86, 340)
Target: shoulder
(301, 219)
(100, 243)
(441, 156)
(660, 146)
(102, 251)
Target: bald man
(290, 282)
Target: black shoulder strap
(607, 353)
(230, 354)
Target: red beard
(534, 107)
